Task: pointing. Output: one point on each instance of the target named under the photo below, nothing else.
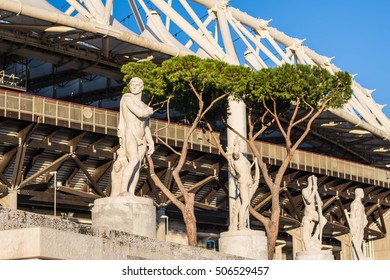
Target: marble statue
(358, 222)
(135, 140)
(240, 168)
(313, 221)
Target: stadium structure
(60, 85)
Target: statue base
(251, 244)
(315, 255)
(132, 214)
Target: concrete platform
(246, 243)
(315, 255)
(26, 235)
(132, 214)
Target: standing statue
(313, 221)
(240, 168)
(358, 222)
(135, 139)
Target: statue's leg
(234, 220)
(136, 160)
(134, 178)
(116, 180)
(357, 243)
(130, 172)
(308, 226)
(244, 209)
(321, 225)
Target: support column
(162, 224)
(280, 244)
(297, 242)
(237, 120)
(346, 246)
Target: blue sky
(356, 33)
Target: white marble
(313, 221)
(135, 139)
(246, 185)
(358, 221)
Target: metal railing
(56, 112)
(326, 165)
(60, 113)
(174, 133)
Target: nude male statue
(240, 168)
(358, 222)
(313, 218)
(135, 139)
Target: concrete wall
(26, 235)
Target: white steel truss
(207, 28)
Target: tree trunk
(190, 219)
(272, 232)
(272, 236)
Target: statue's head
(240, 143)
(136, 85)
(359, 193)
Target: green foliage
(147, 71)
(209, 77)
(181, 78)
(311, 84)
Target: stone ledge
(315, 255)
(40, 236)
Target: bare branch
(250, 124)
(161, 104)
(161, 186)
(275, 115)
(307, 115)
(235, 131)
(212, 104)
(151, 100)
(261, 163)
(291, 124)
(167, 145)
(184, 151)
(268, 109)
(308, 126)
(264, 220)
(168, 101)
(217, 143)
(199, 96)
(264, 127)
(291, 152)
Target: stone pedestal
(132, 214)
(251, 244)
(315, 255)
(10, 201)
